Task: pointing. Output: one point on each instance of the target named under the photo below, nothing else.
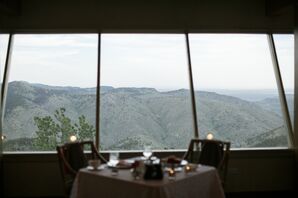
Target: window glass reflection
(145, 97)
(236, 93)
(51, 91)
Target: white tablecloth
(204, 183)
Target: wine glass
(147, 152)
(113, 161)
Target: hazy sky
(220, 61)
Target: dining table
(203, 182)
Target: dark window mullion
(6, 73)
(97, 135)
(192, 92)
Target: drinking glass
(147, 152)
(113, 161)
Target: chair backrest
(209, 152)
(72, 157)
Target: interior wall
(37, 175)
(149, 16)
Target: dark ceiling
(150, 16)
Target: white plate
(177, 169)
(101, 167)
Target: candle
(73, 138)
(210, 136)
(171, 172)
(3, 137)
(187, 168)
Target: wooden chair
(210, 152)
(72, 157)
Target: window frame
(274, 57)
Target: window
(144, 90)
(145, 97)
(284, 44)
(3, 51)
(235, 88)
(51, 91)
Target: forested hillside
(132, 117)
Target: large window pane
(3, 51)
(145, 98)
(284, 44)
(51, 91)
(236, 92)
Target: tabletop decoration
(136, 169)
(190, 168)
(187, 168)
(171, 173)
(173, 162)
(153, 172)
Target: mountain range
(131, 117)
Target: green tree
(64, 125)
(52, 131)
(46, 134)
(84, 129)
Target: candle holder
(172, 174)
(187, 168)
